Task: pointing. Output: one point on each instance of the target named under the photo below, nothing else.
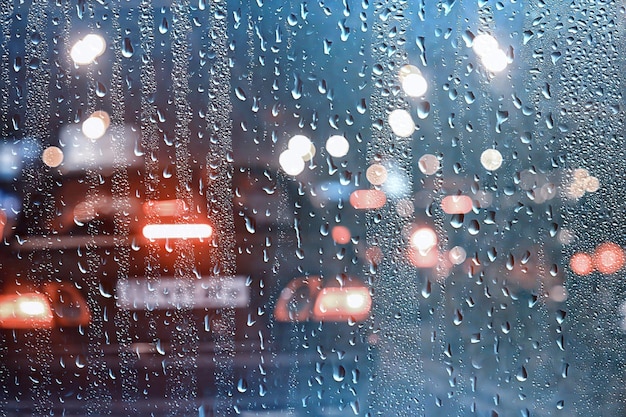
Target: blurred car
(133, 284)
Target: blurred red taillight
(25, 311)
(165, 208)
(367, 199)
(177, 231)
(342, 303)
(457, 204)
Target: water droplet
(339, 373)
(473, 228)
(241, 95)
(101, 89)
(296, 91)
(159, 347)
(250, 224)
(242, 385)
(17, 64)
(127, 48)
(164, 26)
(458, 317)
(361, 106)
(423, 109)
(427, 289)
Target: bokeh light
(376, 174)
(457, 255)
(413, 82)
(484, 44)
(341, 235)
(337, 146)
(291, 162)
(303, 146)
(491, 159)
(367, 199)
(85, 51)
(405, 207)
(490, 53)
(608, 258)
(581, 263)
(423, 239)
(52, 156)
(592, 184)
(429, 164)
(495, 61)
(456, 204)
(96, 125)
(401, 123)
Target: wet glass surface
(312, 208)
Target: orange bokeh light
(456, 204)
(368, 199)
(581, 263)
(608, 258)
(341, 235)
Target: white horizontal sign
(172, 293)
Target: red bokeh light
(368, 199)
(608, 258)
(581, 263)
(456, 204)
(341, 235)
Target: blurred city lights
(429, 164)
(491, 159)
(337, 146)
(592, 184)
(25, 310)
(581, 263)
(376, 174)
(423, 239)
(96, 125)
(413, 82)
(86, 50)
(341, 235)
(52, 156)
(367, 199)
(495, 61)
(401, 123)
(608, 258)
(488, 49)
(405, 207)
(484, 44)
(420, 259)
(581, 182)
(457, 255)
(177, 231)
(291, 162)
(456, 204)
(303, 146)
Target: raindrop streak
(296, 91)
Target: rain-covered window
(312, 208)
